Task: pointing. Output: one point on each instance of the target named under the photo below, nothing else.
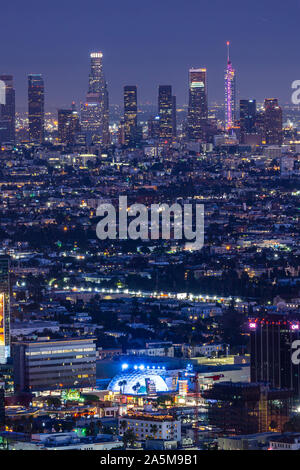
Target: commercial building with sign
(54, 365)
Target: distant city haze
(150, 44)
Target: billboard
(2, 340)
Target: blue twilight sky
(152, 42)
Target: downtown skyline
(157, 51)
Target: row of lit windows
(58, 351)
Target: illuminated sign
(150, 386)
(71, 395)
(2, 340)
(183, 387)
(252, 325)
(197, 85)
(96, 55)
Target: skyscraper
(68, 126)
(271, 339)
(7, 111)
(4, 309)
(153, 127)
(174, 116)
(36, 107)
(230, 93)
(165, 112)
(130, 114)
(95, 110)
(197, 109)
(247, 118)
(273, 122)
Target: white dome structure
(135, 382)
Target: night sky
(152, 42)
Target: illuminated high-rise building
(153, 127)
(68, 126)
(247, 118)
(130, 114)
(165, 111)
(174, 116)
(36, 107)
(95, 109)
(273, 122)
(197, 110)
(4, 309)
(271, 347)
(230, 93)
(7, 110)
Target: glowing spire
(228, 48)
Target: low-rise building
(151, 426)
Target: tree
(123, 425)
(136, 387)
(153, 429)
(53, 401)
(128, 438)
(293, 425)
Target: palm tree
(122, 385)
(136, 387)
(129, 438)
(123, 425)
(153, 429)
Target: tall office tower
(68, 126)
(4, 309)
(130, 114)
(36, 107)
(7, 110)
(197, 109)
(247, 118)
(174, 116)
(165, 112)
(95, 110)
(273, 122)
(271, 341)
(230, 93)
(121, 132)
(153, 127)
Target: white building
(151, 426)
(290, 442)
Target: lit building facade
(247, 408)
(139, 382)
(198, 108)
(95, 109)
(247, 118)
(36, 101)
(54, 365)
(68, 126)
(7, 111)
(4, 309)
(151, 426)
(230, 94)
(165, 112)
(273, 122)
(271, 341)
(130, 114)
